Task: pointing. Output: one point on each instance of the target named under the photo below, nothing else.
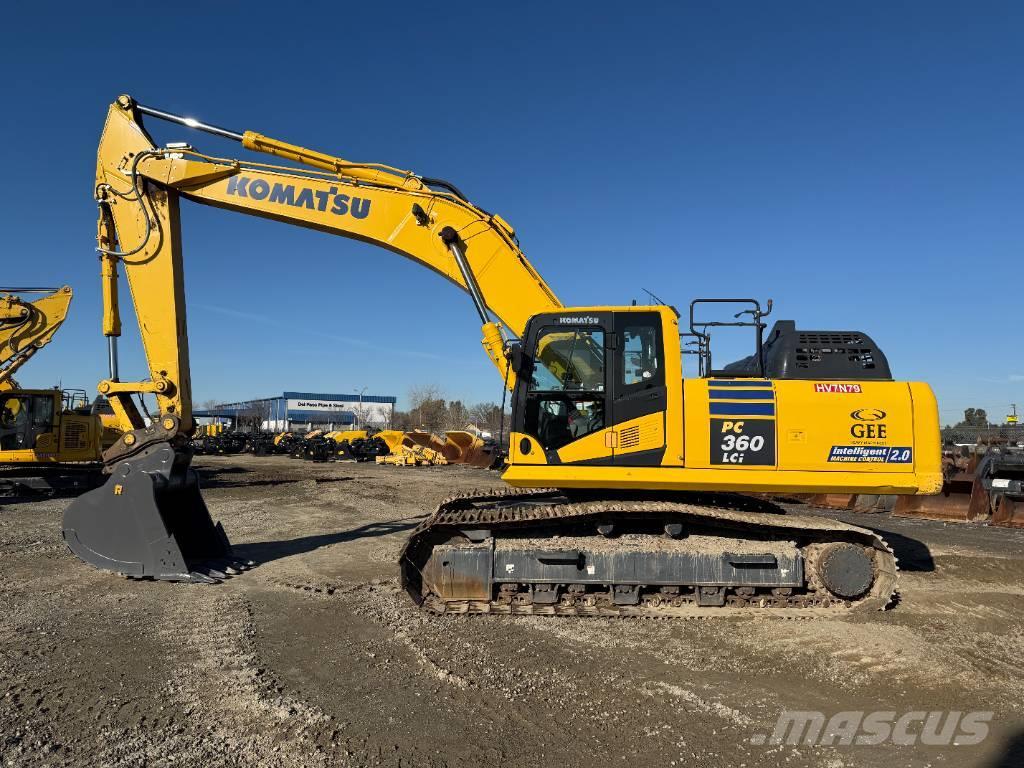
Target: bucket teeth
(222, 568)
(199, 577)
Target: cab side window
(640, 363)
(42, 413)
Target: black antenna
(651, 294)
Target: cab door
(639, 398)
(562, 406)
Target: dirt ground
(315, 657)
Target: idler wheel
(846, 570)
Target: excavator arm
(28, 326)
(139, 186)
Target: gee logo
(868, 426)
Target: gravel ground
(316, 658)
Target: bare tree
(426, 406)
(456, 415)
(421, 393)
(250, 417)
(487, 416)
(429, 410)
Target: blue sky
(861, 164)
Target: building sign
(306, 409)
(320, 405)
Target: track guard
(149, 520)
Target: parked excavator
(50, 439)
(627, 479)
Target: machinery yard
(738, 480)
(316, 657)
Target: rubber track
(516, 506)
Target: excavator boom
(28, 326)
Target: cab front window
(565, 399)
(569, 360)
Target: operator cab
(24, 416)
(587, 370)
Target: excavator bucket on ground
(392, 438)
(149, 521)
(1001, 480)
(958, 501)
(425, 439)
(874, 502)
(466, 448)
(1009, 512)
(855, 502)
(413, 456)
(985, 483)
(866, 503)
(412, 449)
(830, 500)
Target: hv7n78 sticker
(743, 442)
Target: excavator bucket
(854, 502)
(392, 438)
(832, 500)
(962, 499)
(149, 521)
(411, 449)
(465, 448)
(1001, 479)
(1009, 513)
(426, 440)
(873, 502)
(959, 502)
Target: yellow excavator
(633, 490)
(50, 439)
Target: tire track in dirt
(235, 710)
